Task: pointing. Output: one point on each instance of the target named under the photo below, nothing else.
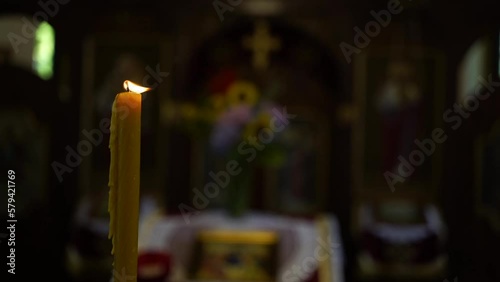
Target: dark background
(448, 26)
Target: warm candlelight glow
(136, 88)
(124, 179)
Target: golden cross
(261, 43)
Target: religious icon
(399, 103)
(390, 93)
(226, 255)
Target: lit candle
(124, 180)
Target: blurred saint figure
(398, 102)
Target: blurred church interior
(321, 140)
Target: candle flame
(136, 88)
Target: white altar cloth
(305, 244)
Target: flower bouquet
(236, 119)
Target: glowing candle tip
(129, 86)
